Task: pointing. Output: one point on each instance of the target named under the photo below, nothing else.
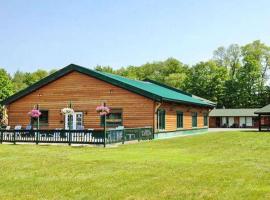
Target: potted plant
(35, 113)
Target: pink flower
(103, 110)
(34, 113)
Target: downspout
(156, 107)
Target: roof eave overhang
(262, 113)
(188, 103)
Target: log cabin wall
(171, 115)
(86, 93)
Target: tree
(207, 80)
(22, 80)
(6, 89)
(6, 85)
(104, 69)
(19, 81)
(252, 76)
(229, 58)
(31, 78)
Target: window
(161, 119)
(205, 119)
(43, 119)
(113, 119)
(254, 121)
(179, 119)
(194, 119)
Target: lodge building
(132, 103)
(233, 118)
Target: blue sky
(52, 34)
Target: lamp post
(105, 116)
(69, 116)
(38, 118)
(103, 111)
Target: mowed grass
(229, 165)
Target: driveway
(231, 129)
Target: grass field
(231, 165)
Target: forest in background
(236, 76)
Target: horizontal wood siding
(170, 118)
(85, 93)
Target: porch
(264, 118)
(96, 137)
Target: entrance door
(242, 121)
(76, 120)
(218, 122)
(231, 121)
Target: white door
(249, 121)
(224, 121)
(242, 121)
(231, 121)
(76, 120)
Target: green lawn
(231, 165)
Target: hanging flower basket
(67, 111)
(103, 110)
(35, 113)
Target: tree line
(235, 77)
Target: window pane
(43, 119)
(194, 119)
(113, 119)
(179, 119)
(79, 120)
(205, 119)
(161, 119)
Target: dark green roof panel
(165, 93)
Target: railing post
(14, 137)
(69, 137)
(123, 136)
(105, 130)
(104, 144)
(37, 136)
(1, 136)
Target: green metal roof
(145, 88)
(242, 112)
(165, 93)
(263, 110)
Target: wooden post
(123, 136)
(260, 123)
(14, 137)
(69, 130)
(268, 128)
(1, 136)
(38, 118)
(37, 136)
(105, 130)
(69, 137)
